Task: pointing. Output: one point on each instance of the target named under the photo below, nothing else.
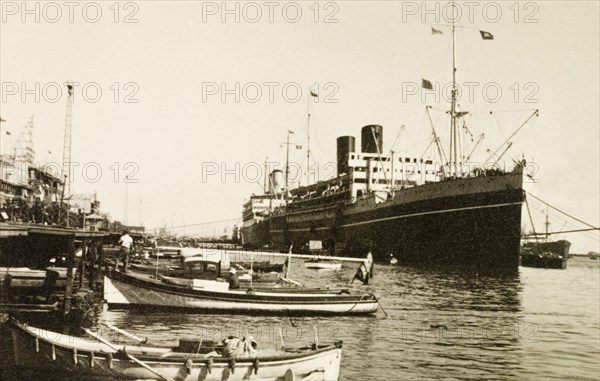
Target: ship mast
(287, 164)
(308, 142)
(453, 132)
(265, 174)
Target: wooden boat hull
(123, 290)
(41, 352)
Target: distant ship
(416, 210)
(548, 255)
(255, 226)
(539, 251)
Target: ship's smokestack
(345, 146)
(372, 139)
(276, 182)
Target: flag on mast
(313, 94)
(486, 35)
(290, 132)
(426, 84)
(436, 31)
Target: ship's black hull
(486, 238)
(465, 223)
(543, 261)
(256, 235)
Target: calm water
(541, 324)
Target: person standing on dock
(125, 246)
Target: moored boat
(41, 352)
(548, 255)
(141, 290)
(539, 251)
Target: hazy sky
(176, 58)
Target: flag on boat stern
(365, 270)
(486, 35)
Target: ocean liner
(421, 211)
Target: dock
(34, 246)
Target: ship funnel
(372, 139)
(276, 182)
(345, 146)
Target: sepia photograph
(304, 190)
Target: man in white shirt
(125, 246)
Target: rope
(361, 299)
(537, 243)
(203, 223)
(356, 304)
(560, 211)
(379, 303)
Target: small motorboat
(145, 291)
(39, 353)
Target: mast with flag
(455, 159)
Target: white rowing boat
(39, 353)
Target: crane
(67, 142)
